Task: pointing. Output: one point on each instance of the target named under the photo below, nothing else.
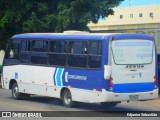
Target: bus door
(133, 65)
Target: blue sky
(139, 2)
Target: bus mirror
(107, 71)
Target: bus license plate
(133, 97)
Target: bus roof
(89, 36)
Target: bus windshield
(132, 51)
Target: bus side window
(58, 46)
(39, 46)
(95, 54)
(77, 56)
(25, 51)
(57, 53)
(12, 51)
(25, 45)
(78, 47)
(39, 53)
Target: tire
(67, 98)
(15, 92)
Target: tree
(19, 16)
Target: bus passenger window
(77, 54)
(57, 54)
(58, 46)
(40, 46)
(38, 58)
(95, 54)
(95, 48)
(39, 53)
(25, 51)
(77, 47)
(13, 51)
(25, 45)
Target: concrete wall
(114, 20)
(132, 22)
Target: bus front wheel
(67, 98)
(15, 91)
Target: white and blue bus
(91, 68)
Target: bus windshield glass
(132, 51)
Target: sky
(126, 3)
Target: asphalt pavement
(47, 104)
(41, 103)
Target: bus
(91, 68)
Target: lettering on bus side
(134, 66)
(75, 77)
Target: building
(134, 19)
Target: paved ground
(150, 103)
(38, 103)
(51, 104)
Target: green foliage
(20, 16)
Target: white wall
(1, 56)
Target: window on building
(140, 15)
(150, 14)
(121, 16)
(131, 15)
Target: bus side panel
(82, 79)
(32, 79)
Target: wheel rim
(67, 98)
(15, 92)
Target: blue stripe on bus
(133, 87)
(58, 77)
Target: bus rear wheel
(67, 98)
(15, 92)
